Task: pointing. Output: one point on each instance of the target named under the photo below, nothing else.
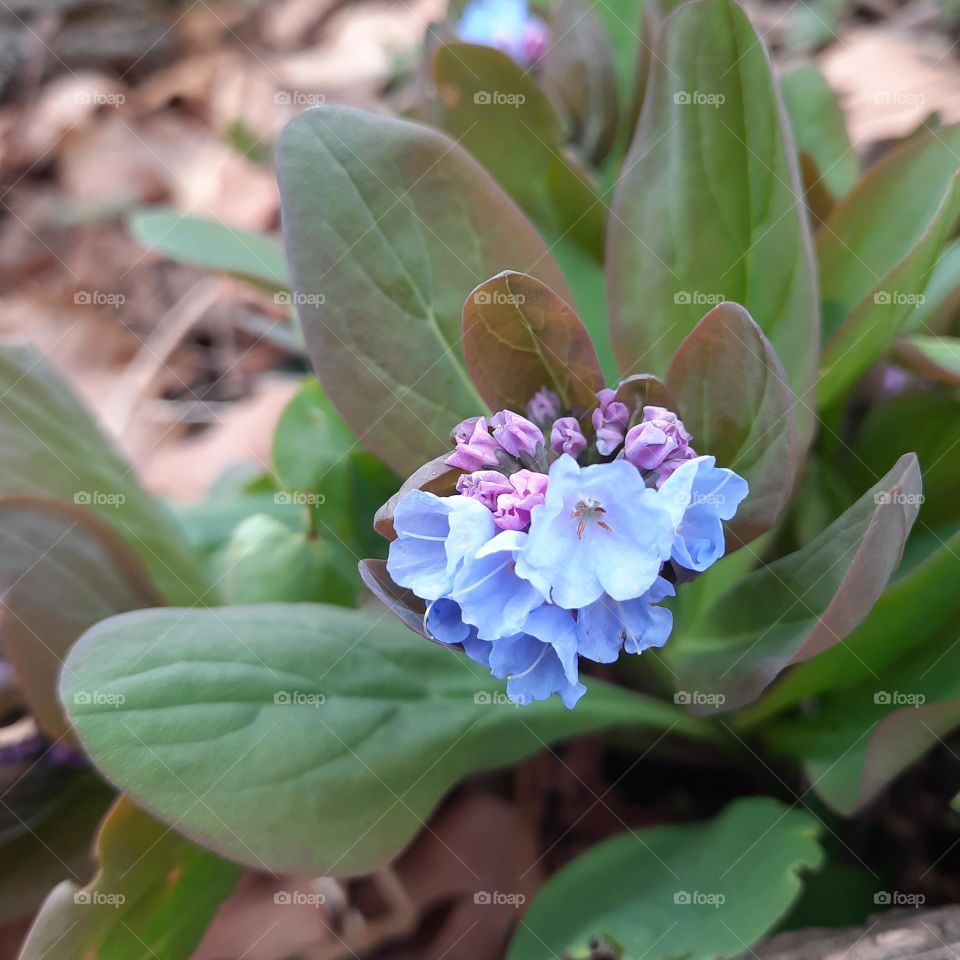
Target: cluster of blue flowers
(556, 548)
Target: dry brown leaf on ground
(244, 433)
(267, 918)
(359, 48)
(486, 886)
(66, 103)
(889, 80)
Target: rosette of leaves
(316, 737)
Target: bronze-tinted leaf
(520, 336)
(50, 547)
(734, 398)
(405, 605)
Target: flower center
(587, 511)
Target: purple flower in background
(544, 407)
(660, 436)
(517, 435)
(475, 447)
(610, 421)
(567, 437)
(507, 25)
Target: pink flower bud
(513, 509)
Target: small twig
(139, 375)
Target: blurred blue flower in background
(507, 25)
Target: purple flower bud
(513, 509)
(669, 466)
(661, 436)
(535, 40)
(516, 434)
(544, 407)
(475, 447)
(485, 486)
(567, 437)
(610, 422)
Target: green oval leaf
(801, 604)
(891, 630)
(490, 104)
(153, 896)
(860, 739)
(701, 891)
(316, 738)
(709, 206)
(819, 128)
(734, 398)
(519, 336)
(578, 72)
(48, 545)
(881, 220)
(53, 447)
(872, 326)
(388, 225)
(202, 242)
